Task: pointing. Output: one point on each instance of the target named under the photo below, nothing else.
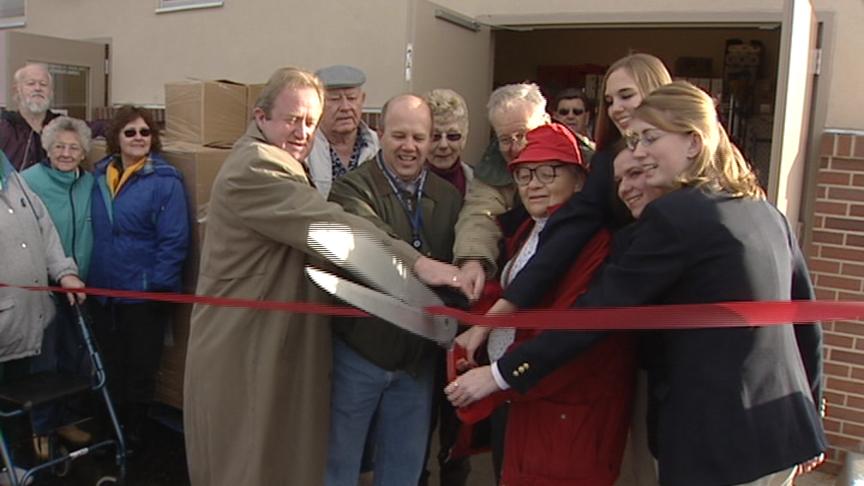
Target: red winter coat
(571, 428)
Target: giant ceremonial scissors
(396, 296)
(400, 302)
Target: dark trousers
(130, 338)
(497, 433)
(452, 472)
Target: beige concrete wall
(244, 40)
(241, 40)
(845, 69)
(449, 56)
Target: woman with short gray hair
(65, 188)
(449, 135)
(70, 125)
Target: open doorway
(736, 64)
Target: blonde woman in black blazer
(727, 406)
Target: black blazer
(726, 406)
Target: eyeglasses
(507, 141)
(546, 174)
(71, 147)
(131, 132)
(450, 136)
(566, 111)
(648, 137)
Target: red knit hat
(552, 141)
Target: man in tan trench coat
(257, 385)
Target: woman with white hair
(65, 189)
(449, 136)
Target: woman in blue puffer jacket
(140, 241)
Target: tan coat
(477, 231)
(257, 385)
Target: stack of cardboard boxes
(203, 119)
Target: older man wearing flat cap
(343, 140)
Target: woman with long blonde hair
(718, 165)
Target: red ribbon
(680, 316)
(716, 315)
(297, 307)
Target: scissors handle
(480, 409)
(454, 354)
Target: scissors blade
(442, 330)
(370, 262)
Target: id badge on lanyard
(415, 217)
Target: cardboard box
(211, 113)
(98, 151)
(252, 92)
(169, 378)
(199, 166)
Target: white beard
(37, 105)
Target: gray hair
(447, 105)
(510, 95)
(19, 74)
(66, 124)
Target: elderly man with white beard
(20, 131)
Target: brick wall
(836, 257)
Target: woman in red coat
(572, 427)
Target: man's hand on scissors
(435, 273)
(473, 274)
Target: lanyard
(416, 216)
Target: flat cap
(341, 76)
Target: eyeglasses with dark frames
(450, 136)
(566, 111)
(546, 174)
(131, 132)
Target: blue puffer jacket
(141, 237)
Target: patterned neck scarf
(336, 165)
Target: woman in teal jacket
(65, 187)
(66, 190)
